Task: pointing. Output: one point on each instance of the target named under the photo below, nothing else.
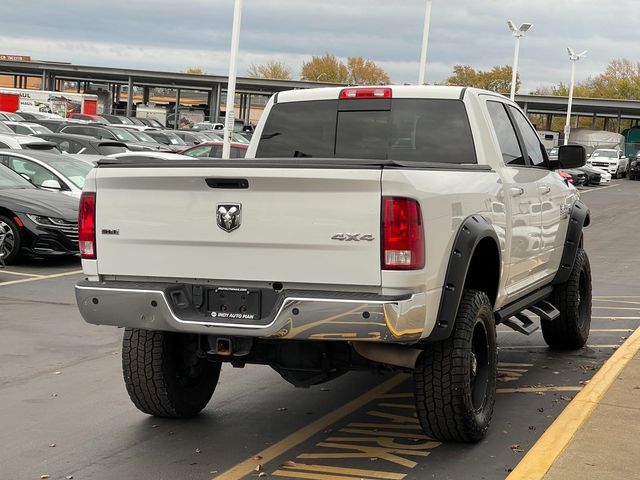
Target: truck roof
(397, 91)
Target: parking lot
(66, 413)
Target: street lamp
(518, 33)
(230, 113)
(574, 58)
(425, 42)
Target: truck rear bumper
(299, 315)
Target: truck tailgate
(162, 222)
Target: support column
(145, 95)
(606, 123)
(217, 105)
(43, 81)
(593, 121)
(130, 98)
(549, 121)
(211, 102)
(526, 108)
(176, 118)
(619, 119)
(248, 117)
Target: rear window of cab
(415, 130)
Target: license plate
(234, 303)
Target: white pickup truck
(386, 228)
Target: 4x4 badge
(228, 216)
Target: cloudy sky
(174, 35)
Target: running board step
(521, 323)
(545, 310)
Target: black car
(593, 175)
(104, 132)
(577, 177)
(151, 122)
(168, 139)
(70, 143)
(192, 137)
(35, 222)
(53, 125)
(634, 169)
(116, 119)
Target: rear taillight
(402, 234)
(87, 225)
(378, 92)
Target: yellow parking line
(37, 279)
(537, 462)
(20, 274)
(615, 296)
(598, 188)
(545, 347)
(296, 438)
(607, 307)
(538, 389)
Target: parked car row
(587, 175)
(44, 162)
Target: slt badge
(228, 216)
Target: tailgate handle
(227, 183)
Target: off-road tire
(570, 330)
(12, 231)
(163, 375)
(449, 407)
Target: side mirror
(570, 156)
(53, 184)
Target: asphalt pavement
(64, 410)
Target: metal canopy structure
(151, 78)
(581, 106)
(53, 74)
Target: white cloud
(171, 35)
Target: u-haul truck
(61, 103)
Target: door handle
(544, 189)
(516, 191)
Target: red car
(214, 150)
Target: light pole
(425, 42)
(230, 113)
(574, 58)
(518, 33)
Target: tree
(357, 71)
(620, 80)
(195, 71)
(498, 79)
(365, 72)
(326, 68)
(272, 70)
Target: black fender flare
(473, 230)
(579, 218)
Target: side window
(22, 130)
(507, 138)
(72, 129)
(3, 145)
(36, 173)
(531, 140)
(74, 147)
(199, 152)
(64, 145)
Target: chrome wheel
(8, 243)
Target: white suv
(612, 160)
